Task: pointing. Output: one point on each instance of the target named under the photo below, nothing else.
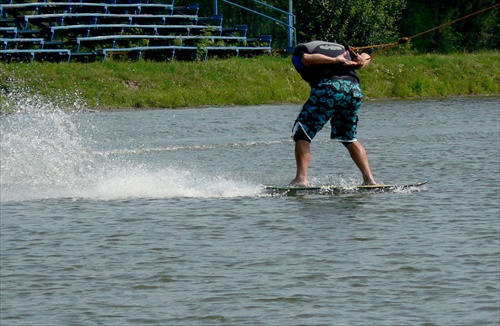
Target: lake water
(159, 218)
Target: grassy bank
(241, 81)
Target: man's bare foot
(298, 183)
(369, 183)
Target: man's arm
(314, 59)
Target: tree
(354, 22)
(474, 33)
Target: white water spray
(46, 152)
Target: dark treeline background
(370, 22)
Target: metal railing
(289, 23)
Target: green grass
(244, 81)
(433, 75)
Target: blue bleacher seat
(8, 31)
(86, 30)
(239, 30)
(34, 52)
(172, 49)
(94, 18)
(23, 41)
(110, 41)
(84, 7)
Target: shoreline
(489, 96)
(263, 80)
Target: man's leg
(302, 158)
(358, 155)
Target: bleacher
(88, 30)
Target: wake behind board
(336, 189)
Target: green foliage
(477, 32)
(244, 81)
(355, 22)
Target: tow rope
(403, 40)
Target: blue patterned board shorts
(337, 100)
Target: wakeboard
(336, 189)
